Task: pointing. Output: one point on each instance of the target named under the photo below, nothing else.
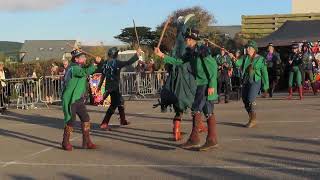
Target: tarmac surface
(285, 145)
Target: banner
(98, 96)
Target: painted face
(81, 59)
(270, 49)
(65, 64)
(250, 51)
(223, 51)
(238, 54)
(190, 42)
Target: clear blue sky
(100, 20)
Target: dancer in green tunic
(74, 97)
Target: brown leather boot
(202, 127)
(290, 93)
(252, 120)
(123, 121)
(176, 129)
(194, 139)
(104, 124)
(314, 89)
(86, 141)
(301, 92)
(211, 141)
(66, 138)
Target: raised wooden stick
(216, 45)
(92, 55)
(163, 31)
(135, 29)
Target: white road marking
(30, 156)
(165, 166)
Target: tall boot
(86, 141)
(66, 138)
(314, 89)
(301, 92)
(176, 129)
(211, 141)
(226, 99)
(202, 126)
(123, 121)
(194, 139)
(290, 93)
(252, 120)
(104, 124)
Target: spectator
(5, 92)
(150, 66)
(52, 84)
(64, 68)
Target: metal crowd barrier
(50, 89)
(22, 91)
(25, 93)
(141, 84)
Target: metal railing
(25, 93)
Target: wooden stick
(92, 55)
(216, 45)
(163, 31)
(135, 29)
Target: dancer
(74, 98)
(111, 73)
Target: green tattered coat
(201, 77)
(259, 67)
(75, 88)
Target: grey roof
(228, 30)
(293, 31)
(46, 49)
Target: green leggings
(297, 74)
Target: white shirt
(2, 76)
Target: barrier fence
(25, 93)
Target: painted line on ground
(163, 166)
(30, 156)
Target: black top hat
(76, 53)
(192, 33)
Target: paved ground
(286, 145)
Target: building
(10, 50)
(227, 31)
(42, 50)
(305, 6)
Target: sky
(93, 21)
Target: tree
(202, 18)
(146, 36)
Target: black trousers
(117, 101)
(224, 83)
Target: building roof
(46, 49)
(293, 31)
(227, 30)
(10, 47)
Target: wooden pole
(216, 45)
(163, 31)
(135, 29)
